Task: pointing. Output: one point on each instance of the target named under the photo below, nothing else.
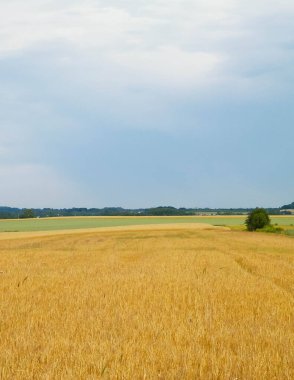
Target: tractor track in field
(252, 270)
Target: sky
(143, 103)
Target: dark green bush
(257, 218)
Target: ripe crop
(147, 304)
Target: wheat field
(159, 303)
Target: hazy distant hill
(288, 207)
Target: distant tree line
(15, 213)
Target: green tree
(27, 213)
(257, 218)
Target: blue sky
(146, 103)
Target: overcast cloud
(145, 103)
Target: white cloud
(169, 66)
(144, 45)
(24, 25)
(180, 43)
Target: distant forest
(15, 213)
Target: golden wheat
(153, 304)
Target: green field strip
(21, 225)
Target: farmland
(55, 224)
(156, 302)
